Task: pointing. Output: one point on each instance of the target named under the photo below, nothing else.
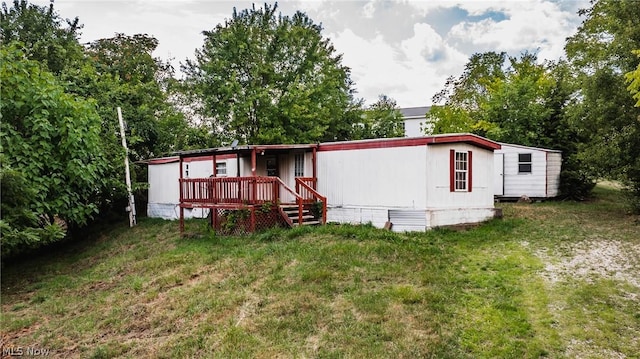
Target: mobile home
(408, 183)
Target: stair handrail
(299, 202)
(323, 199)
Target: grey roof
(241, 149)
(409, 112)
(529, 147)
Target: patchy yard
(550, 280)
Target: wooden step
(291, 211)
(307, 223)
(304, 218)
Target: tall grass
(332, 291)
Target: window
(461, 171)
(298, 170)
(524, 163)
(460, 176)
(221, 169)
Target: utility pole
(132, 203)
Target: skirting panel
(377, 217)
(172, 211)
(456, 216)
(408, 220)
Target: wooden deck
(263, 197)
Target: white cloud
(530, 25)
(389, 46)
(368, 10)
(410, 72)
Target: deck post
(181, 221)
(181, 199)
(214, 194)
(253, 162)
(180, 181)
(314, 164)
(324, 211)
(254, 182)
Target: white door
(498, 174)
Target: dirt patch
(592, 259)
(586, 349)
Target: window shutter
(470, 171)
(452, 170)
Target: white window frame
(221, 169)
(461, 171)
(298, 164)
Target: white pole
(132, 203)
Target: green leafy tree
(382, 119)
(458, 107)
(47, 38)
(114, 72)
(633, 79)
(262, 77)
(51, 149)
(602, 53)
(140, 84)
(131, 78)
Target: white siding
(438, 192)
(197, 169)
(163, 183)
(245, 166)
(378, 177)
(530, 184)
(164, 189)
(408, 186)
(554, 164)
(412, 127)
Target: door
(272, 166)
(498, 174)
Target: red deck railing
(310, 195)
(231, 192)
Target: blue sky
(404, 49)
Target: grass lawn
(554, 279)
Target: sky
(403, 49)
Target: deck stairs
(291, 211)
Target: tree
(126, 75)
(382, 119)
(47, 38)
(109, 73)
(633, 79)
(457, 107)
(51, 147)
(267, 78)
(602, 52)
(131, 78)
